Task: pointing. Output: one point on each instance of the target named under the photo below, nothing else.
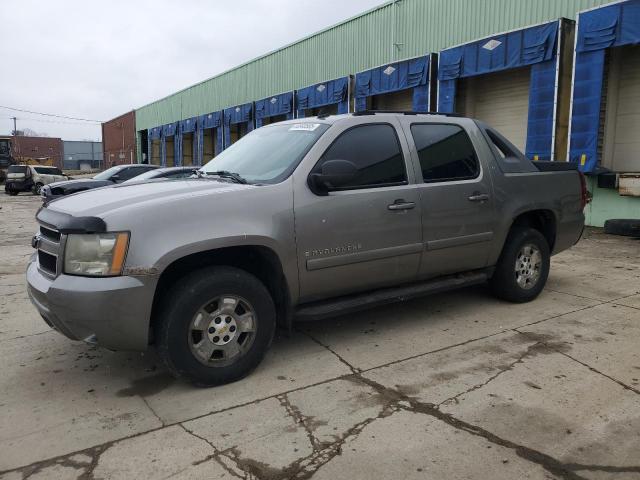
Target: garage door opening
(170, 155)
(144, 146)
(399, 86)
(156, 157)
(621, 107)
(273, 119)
(326, 98)
(208, 144)
(237, 131)
(395, 101)
(500, 99)
(188, 149)
(326, 110)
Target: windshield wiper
(226, 174)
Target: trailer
(399, 86)
(517, 81)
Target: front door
(458, 218)
(367, 234)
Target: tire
(37, 188)
(625, 227)
(11, 192)
(523, 266)
(199, 328)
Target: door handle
(401, 204)
(479, 197)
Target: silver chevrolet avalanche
(300, 220)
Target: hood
(102, 201)
(70, 185)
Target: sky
(98, 59)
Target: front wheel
(11, 192)
(215, 326)
(523, 267)
(37, 188)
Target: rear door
(367, 234)
(458, 219)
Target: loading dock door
(187, 149)
(401, 101)
(207, 145)
(622, 125)
(170, 152)
(155, 152)
(501, 99)
(329, 98)
(326, 110)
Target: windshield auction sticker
(307, 127)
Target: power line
(51, 114)
(40, 120)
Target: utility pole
(15, 139)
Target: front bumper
(18, 185)
(114, 312)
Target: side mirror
(333, 174)
(115, 178)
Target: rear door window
(375, 151)
(446, 153)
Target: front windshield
(106, 174)
(268, 154)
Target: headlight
(96, 255)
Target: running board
(353, 303)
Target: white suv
(24, 178)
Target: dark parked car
(113, 175)
(169, 173)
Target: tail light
(585, 195)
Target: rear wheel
(523, 267)
(216, 326)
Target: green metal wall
(393, 31)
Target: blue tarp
(209, 120)
(277, 105)
(535, 46)
(599, 29)
(393, 77)
(322, 94)
(241, 114)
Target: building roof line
(272, 52)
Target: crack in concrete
(507, 368)
(351, 367)
(87, 468)
(300, 419)
(144, 399)
(584, 364)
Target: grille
(48, 262)
(49, 250)
(49, 234)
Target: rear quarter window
(445, 151)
